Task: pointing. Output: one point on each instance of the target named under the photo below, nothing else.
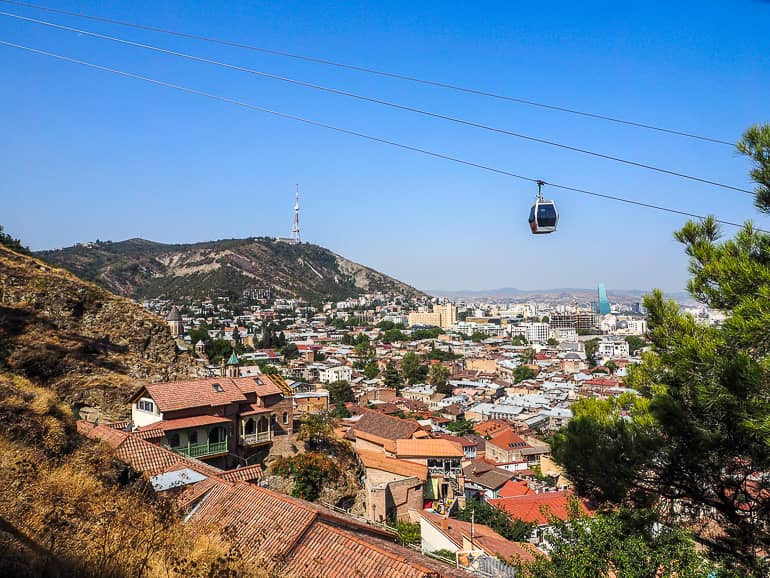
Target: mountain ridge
(140, 268)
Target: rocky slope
(90, 347)
(143, 269)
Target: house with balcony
(221, 420)
(443, 459)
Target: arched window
(250, 426)
(217, 435)
(193, 436)
(173, 439)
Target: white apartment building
(333, 373)
(533, 332)
(613, 348)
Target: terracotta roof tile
(185, 422)
(379, 461)
(428, 448)
(246, 474)
(528, 507)
(508, 440)
(384, 426)
(210, 391)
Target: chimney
(445, 523)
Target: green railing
(203, 449)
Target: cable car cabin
(543, 217)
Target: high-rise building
(603, 304)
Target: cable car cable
(380, 102)
(360, 134)
(366, 70)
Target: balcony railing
(256, 438)
(202, 449)
(440, 471)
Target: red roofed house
(506, 446)
(535, 508)
(214, 419)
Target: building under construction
(580, 319)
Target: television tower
(295, 230)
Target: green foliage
(218, 349)
(310, 471)
(391, 377)
(340, 410)
(408, 533)
(290, 351)
(700, 433)
(438, 376)
(523, 372)
(499, 520)
(340, 391)
(460, 427)
(615, 544)
(393, 335)
(591, 347)
(612, 366)
(413, 370)
(755, 144)
(552, 342)
(478, 336)
(432, 333)
(13, 244)
(519, 340)
(446, 555)
(389, 326)
(441, 355)
(267, 368)
(371, 370)
(635, 344)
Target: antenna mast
(295, 230)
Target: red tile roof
(383, 426)
(296, 539)
(379, 461)
(428, 448)
(528, 508)
(185, 423)
(210, 391)
(508, 440)
(483, 536)
(514, 488)
(246, 474)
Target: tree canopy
(696, 443)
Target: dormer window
(217, 387)
(145, 405)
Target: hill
(88, 346)
(144, 269)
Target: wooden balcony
(202, 449)
(256, 438)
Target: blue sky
(86, 155)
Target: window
(285, 418)
(173, 439)
(217, 387)
(193, 437)
(145, 405)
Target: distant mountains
(558, 294)
(140, 269)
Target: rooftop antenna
(295, 230)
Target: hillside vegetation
(86, 345)
(68, 508)
(143, 269)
